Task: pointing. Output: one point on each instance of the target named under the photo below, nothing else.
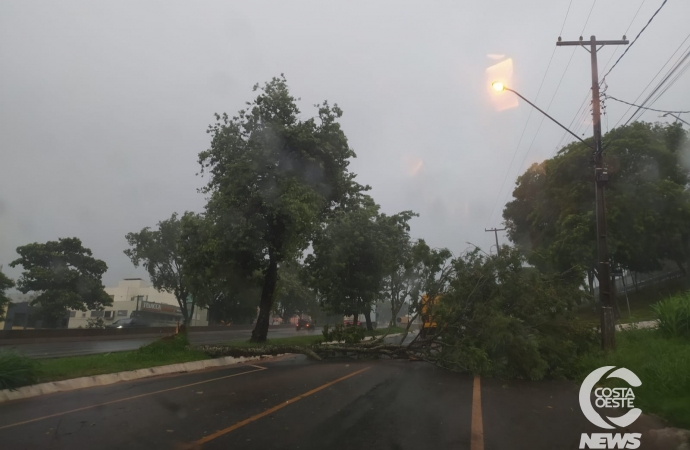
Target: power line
(653, 78)
(624, 33)
(588, 16)
(566, 17)
(634, 40)
(662, 82)
(644, 107)
(671, 83)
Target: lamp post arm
(554, 120)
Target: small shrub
(674, 315)
(16, 370)
(350, 335)
(174, 343)
(97, 323)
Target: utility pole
(495, 231)
(608, 325)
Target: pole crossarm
(589, 43)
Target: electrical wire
(662, 83)
(644, 107)
(671, 83)
(618, 130)
(566, 17)
(588, 16)
(606, 66)
(635, 40)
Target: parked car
(127, 323)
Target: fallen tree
(493, 317)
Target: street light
(499, 86)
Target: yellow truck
(427, 313)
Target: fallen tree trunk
(320, 352)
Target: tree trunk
(261, 329)
(367, 316)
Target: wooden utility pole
(608, 325)
(495, 231)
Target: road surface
(60, 348)
(294, 403)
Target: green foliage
(354, 254)
(160, 252)
(95, 322)
(499, 318)
(169, 350)
(293, 296)
(5, 284)
(16, 370)
(552, 214)
(341, 333)
(673, 315)
(663, 365)
(273, 180)
(66, 276)
(216, 281)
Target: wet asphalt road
(293, 403)
(59, 348)
(297, 404)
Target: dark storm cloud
(104, 105)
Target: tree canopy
(5, 284)
(65, 275)
(648, 204)
(273, 179)
(160, 253)
(353, 255)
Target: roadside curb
(112, 378)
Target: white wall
(125, 299)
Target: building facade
(130, 295)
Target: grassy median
(172, 350)
(663, 365)
(17, 370)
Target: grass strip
(663, 365)
(166, 351)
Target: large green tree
(273, 179)
(159, 251)
(5, 284)
(353, 255)
(65, 275)
(648, 204)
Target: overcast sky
(104, 105)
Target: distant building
(20, 316)
(130, 295)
